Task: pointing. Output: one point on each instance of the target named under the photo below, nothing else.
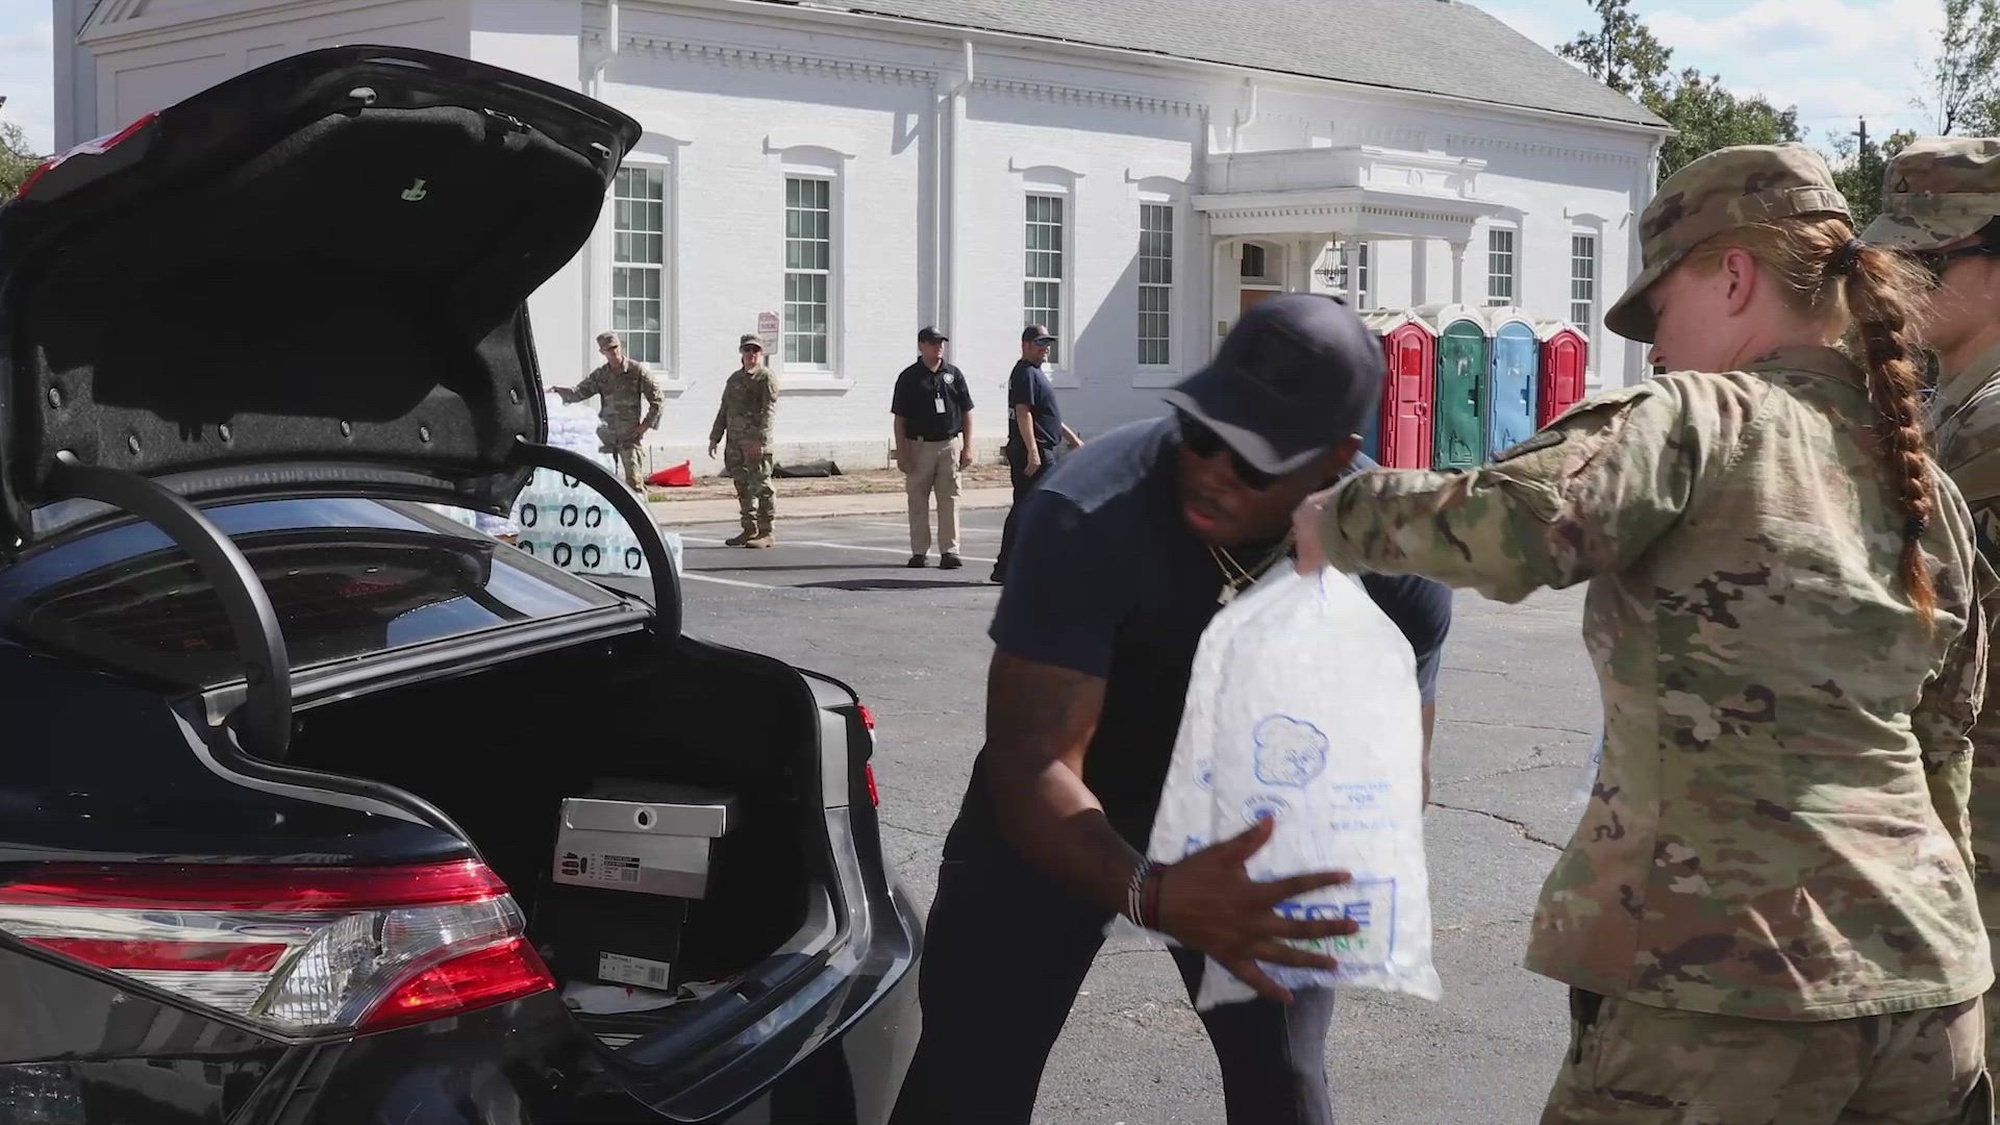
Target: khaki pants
(933, 470)
(1632, 1064)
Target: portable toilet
(1409, 353)
(1515, 372)
(1565, 359)
(1458, 405)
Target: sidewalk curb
(674, 513)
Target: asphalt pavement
(1516, 720)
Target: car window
(347, 577)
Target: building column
(1420, 271)
(1228, 296)
(1458, 250)
(1351, 247)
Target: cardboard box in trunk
(629, 856)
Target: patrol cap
(607, 339)
(1728, 188)
(929, 335)
(1037, 334)
(750, 340)
(1298, 374)
(1938, 191)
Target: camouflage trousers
(755, 498)
(1632, 1064)
(630, 457)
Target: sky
(1836, 60)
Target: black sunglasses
(1204, 442)
(1937, 261)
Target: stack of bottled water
(571, 525)
(565, 522)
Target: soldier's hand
(1305, 532)
(711, 449)
(1209, 902)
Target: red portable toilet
(1565, 359)
(1409, 349)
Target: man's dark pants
(1017, 475)
(1005, 951)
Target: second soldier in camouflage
(742, 428)
(1940, 199)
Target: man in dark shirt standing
(1123, 557)
(933, 409)
(1036, 427)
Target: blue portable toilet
(1513, 378)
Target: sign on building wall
(767, 331)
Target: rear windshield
(347, 577)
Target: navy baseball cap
(1037, 334)
(1298, 374)
(929, 335)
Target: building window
(1582, 280)
(808, 271)
(1500, 267)
(1347, 261)
(639, 261)
(1041, 301)
(1252, 268)
(1156, 284)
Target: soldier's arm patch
(1542, 439)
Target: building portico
(1300, 202)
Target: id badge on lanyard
(940, 403)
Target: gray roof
(1432, 46)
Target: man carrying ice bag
(1121, 561)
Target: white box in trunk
(642, 836)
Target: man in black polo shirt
(1122, 558)
(1035, 429)
(933, 409)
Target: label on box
(615, 870)
(635, 971)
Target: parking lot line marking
(903, 551)
(698, 576)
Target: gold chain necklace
(1234, 578)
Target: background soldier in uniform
(1767, 912)
(619, 385)
(749, 408)
(1940, 199)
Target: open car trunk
(500, 751)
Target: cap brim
(1204, 396)
(1042, 340)
(1631, 317)
(1932, 232)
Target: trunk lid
(308, 279)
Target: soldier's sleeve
(650, 387)
(1972, 457)
(762, 408)
(721, 425)
(1587, 495)
(585, 388)
(1944, 716)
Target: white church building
(836, 174)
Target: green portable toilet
(1459, 406)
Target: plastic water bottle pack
(569, 524)
(1303, 706)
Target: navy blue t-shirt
(1106, 579)
(1029, 386)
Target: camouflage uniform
(618, 415)
(1938, 192)
(1768, 901)
(748, 411)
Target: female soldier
(1766, 912)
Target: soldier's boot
(748, 533)
(763, 537)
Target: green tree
(1622, 52)
(16, 159)
(1963, 85)
(1857, 170)
(1706, 117)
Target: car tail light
(96, 146)
(867, 716)
(301, 951)
(874, 798)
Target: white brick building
(1130, 171)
